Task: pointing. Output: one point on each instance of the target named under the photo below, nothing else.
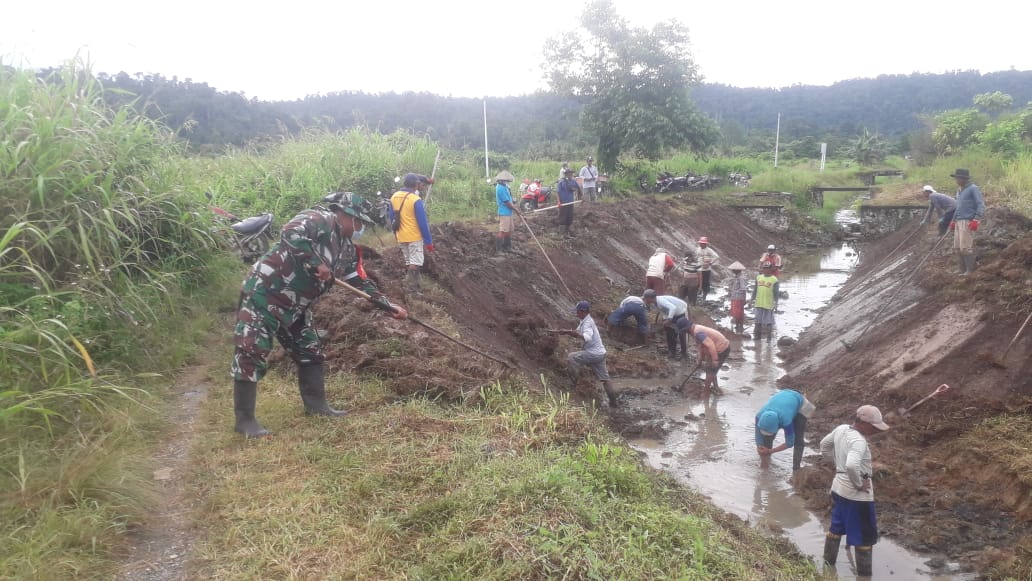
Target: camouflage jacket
(287, 270)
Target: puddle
(715, 453)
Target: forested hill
(889, 104)
(547, 125)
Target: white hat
(928, 189)
(736, 266)
(871, 415)
(771, 247)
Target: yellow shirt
(409, 231)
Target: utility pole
(824, 154)
(777, 140)
(487, 164)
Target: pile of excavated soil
(504, 305)
(932, 493)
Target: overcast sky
(287, 50)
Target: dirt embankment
(937, 488)
(504, 304)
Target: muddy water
(714, 451)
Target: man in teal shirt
(783, 411)
(506, 207)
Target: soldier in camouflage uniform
(277, 297)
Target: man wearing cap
(563, 168)
(276, 300)
(660, 263)
(785, 410)
(675, 320)
(764, 301)
(707, 259)
(738, 292)
(852, 490)
(506, 208)
(631, 306)
(970, 208)
(772, 256)
(691, 278)
(594, 353)
(941, 202)
(714, 349)
(589, 176)
(412, 228)
(567, 192)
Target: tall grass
(98, 255)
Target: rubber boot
(245, 394)
(499, 245)
(831, 548)
(569, 232)
(770, 332)
(671, 344)
(608, 386)
(311, 380)
(864, 561)
(963, 265)
(415, 285)
(508, 245)
(757, 331)
(969, 263)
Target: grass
(519, 486)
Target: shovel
(938, 391)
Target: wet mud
(505, 305)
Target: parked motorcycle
(739, 179)
(249, 237)
(535, 198)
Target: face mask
(358, 233)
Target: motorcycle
(250, 237)
(739, 179)
(533, 199)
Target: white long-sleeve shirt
(852, 462)
(708, 257)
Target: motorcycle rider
(276, 300)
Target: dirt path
(158, 550)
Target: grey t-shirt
(592, 338)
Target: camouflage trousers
(260, 318)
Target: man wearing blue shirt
(568, 192)
(970, 208)
(783, 411)
(594, 353)
(506, 207)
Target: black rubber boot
(311, 380)
(969, 263)
(864, 561)
(770, 332)
(831, 548)
(508, 245)
(611, 393)
(499, 245)
(757, 331)
(245, 394)
(671, 343)
(963, 265)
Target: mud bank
(887, 341)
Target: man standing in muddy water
(594, 353)
(276, 301)
(764, 302)
(786, 410)
(714, 349)
(675, 320)
(970, 208)
(707, 259)
(852, 491)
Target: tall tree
(634, 82)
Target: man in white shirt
(852, 491)
(589, 173)
(594, 353)
(707, 259)
(675, 320)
